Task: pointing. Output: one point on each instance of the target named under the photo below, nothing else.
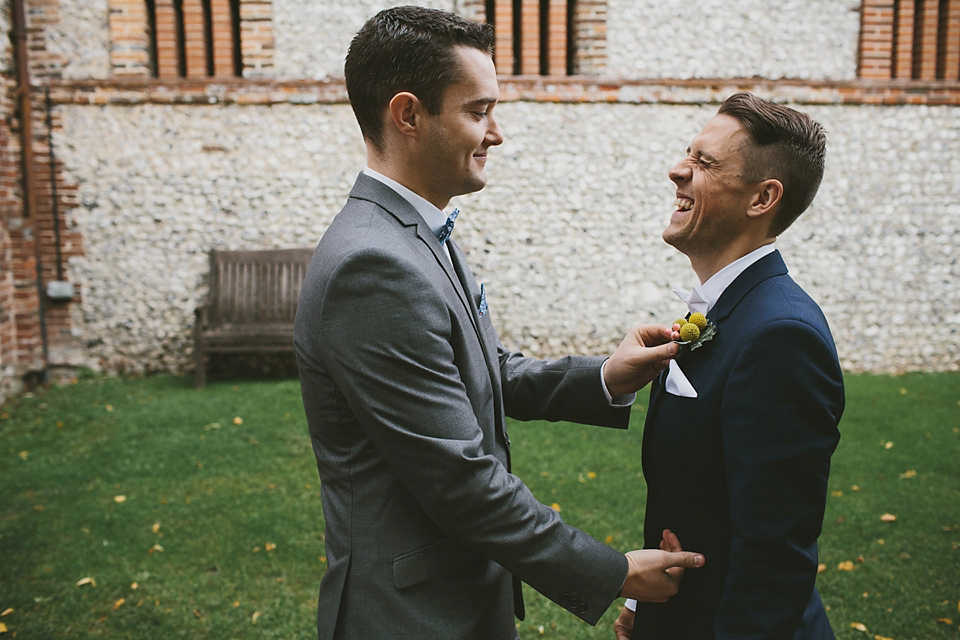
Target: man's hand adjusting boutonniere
(645, 351)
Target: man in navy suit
(738, 438)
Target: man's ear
(405, 112)
(765, 198)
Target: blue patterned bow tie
(448, 227)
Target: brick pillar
(10, 202)
(530, 38)
(59, 241)
(195, 40)
(256, 37)
(876, 39)
(590, 36)
(167, 38)
(130, 50)
(903, 41)
(223, 40)
(951, 58)
(925, 51)
(503, 26)
(557, 37)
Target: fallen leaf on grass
(197, 613)
(556, 507)
(119, 603)
(888, 445)
(945, 620)
(119, 499)
(846, 565)
(881, 638)
(154, 548)
(3, 628)
(592, 475)
(859, 626)
(837, 494)
(238, 420)
(888, 517)
(609, 540)
(821, 568)
(135, 586)
(909, 473)
(269, 546)
(855, 488)
(6, 612)
(89, 581)
(255, 617)
(156, 527)
(24, 455)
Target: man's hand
(623, 625)
(644, 352)
(654, 575)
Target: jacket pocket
(430, 561)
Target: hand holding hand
(643, 353)
(654, 575)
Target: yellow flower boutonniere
(694, 331)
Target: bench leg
(200, 372)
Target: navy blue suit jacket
(740, 472)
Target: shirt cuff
(630, 603)
(622, 401)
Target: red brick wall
(589, 30)
(130, 37)
(9, 203)
(899, 42)
(27, 236)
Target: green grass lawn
(197, 513)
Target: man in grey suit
(406, 386)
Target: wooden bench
(251, 305)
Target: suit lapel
(766, 267)
(367, 188)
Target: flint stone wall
(566, 235)
(810, 39)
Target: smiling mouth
(684, 204)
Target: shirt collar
(435, 218)
(711, 290)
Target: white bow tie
(694, 299)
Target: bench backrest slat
(256, 287)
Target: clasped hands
(653, 575)
(643, 353)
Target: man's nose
(679, 172)
(494, 133)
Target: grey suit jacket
(406, 387)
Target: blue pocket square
(482, 308)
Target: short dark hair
(787, 145)
(407, 49)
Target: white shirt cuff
(622, 401)
(630, 603)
